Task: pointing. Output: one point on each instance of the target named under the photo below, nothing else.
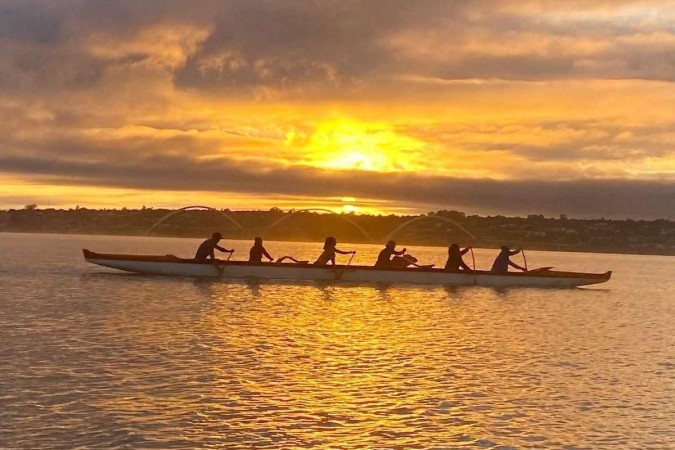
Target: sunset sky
(489, 107)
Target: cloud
(329, 48)
(228, 95)
(175, 173)
(291, 47)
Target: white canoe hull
(172, 266)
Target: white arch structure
(286, 217)
(420, 218)
(283, 219)
(188, 208)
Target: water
(90, 357)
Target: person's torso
(327, 255)
(256, 254)
(384, 258)
(205, 249)
(501, 263)
(454, 260)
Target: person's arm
(267, 255)
(400, 252)
(463, 265)
(512, 264)
(225, 250)
(463, 252)
(343, 252)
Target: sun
(350, 209)
(343, 144)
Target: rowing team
(388, 257)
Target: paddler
(258, 251)
(455, 261)
(384, 258)
(503, 261)
(329, 251)
(208, 247)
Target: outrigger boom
(174, 266)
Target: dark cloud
(629, 62)
(611, 198)
(35, 70)
(284, 44)
(327, 47)
(30, 22)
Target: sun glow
(350, 145)
(350, 209)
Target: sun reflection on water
(101, 359)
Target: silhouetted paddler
(207, 248)
(389, 250)
(455, 261)
(503, 261)
(258, 251)
(329, 251)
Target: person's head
(329, 243)
(390, 245)
(216, 236)
(505, 248)
(258, 241)
(453, 247)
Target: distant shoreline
(403, 243)
(435, 229)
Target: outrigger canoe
(174, 266)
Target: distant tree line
(435, 228)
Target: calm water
(90, 357)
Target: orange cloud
(307, 103)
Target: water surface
(91, 357)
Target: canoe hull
(172, 266)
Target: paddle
(524, 258)
(230, 255)
(473, 260)
(540, 269)
(339, 272)
(284, 258)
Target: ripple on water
(95, 359)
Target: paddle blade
(540, 269)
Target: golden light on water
(364, 366)
(162, 362)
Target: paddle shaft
(350, 259)
(473, 260)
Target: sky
(380, 106)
